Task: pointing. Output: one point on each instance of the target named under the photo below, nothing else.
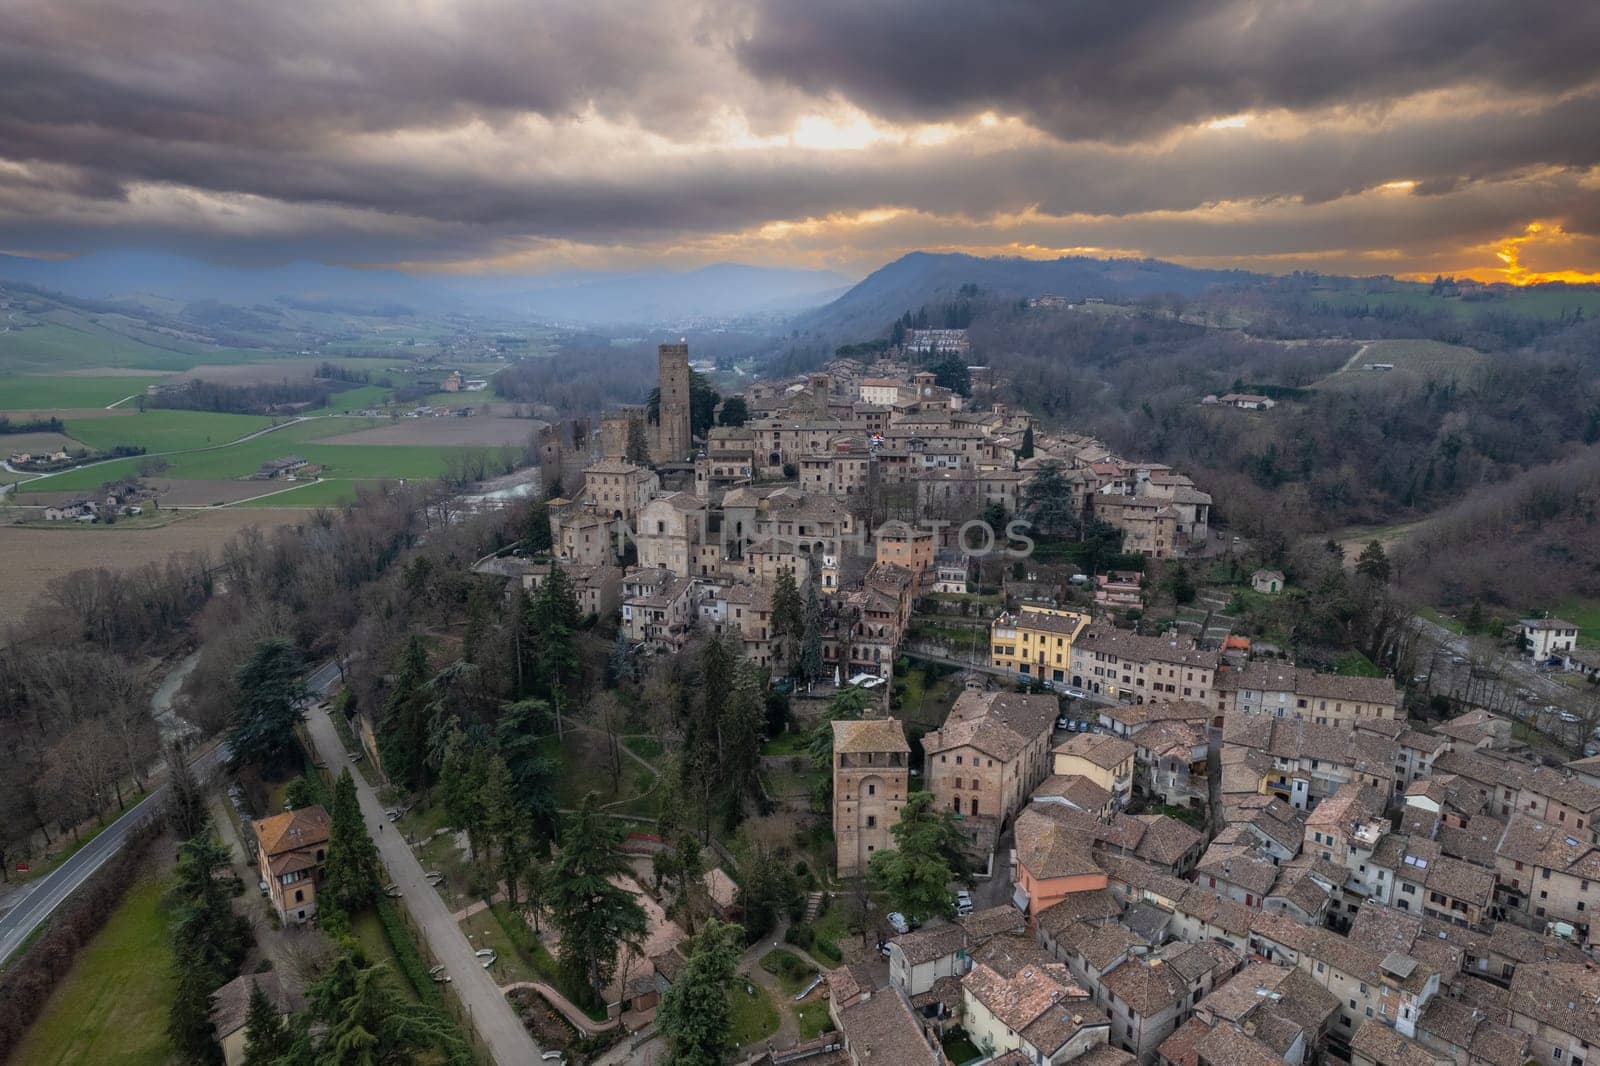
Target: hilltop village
(1185, 850)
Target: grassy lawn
(927, 698)
(1442, 620)
(1585, 614)
(1354, 664)
(36, 392)
(813, 1019)
(753, 1018)
(794, 742)
(368, 931)
(1187, 815)
(112, 1005)
(484, 930)
(829, 929)
(793, 972)
(959, 1048)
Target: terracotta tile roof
(1227, 1045)
(1461, 880)
(1099, 749)
(870, 735)
(1103, 1055)
(302, 828)
(930, 943)
(1087, 909)
(1000, 724)
(1076, 789)
(1049, 846)
(1179, 1048)
(1564, 996)
(993, 921)
(230, 1004)
(1148, 988)
(1249, 868)
(1166, 840)
(1387, 1047)
(884, 1028)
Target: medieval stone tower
(675, 438)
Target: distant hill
(928, 278)
(721, 291)
(142, 275)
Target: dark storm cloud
(413, 131)
(1104, 71)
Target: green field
(112, 1005)
(37, 392)
(344, 462)
(165, 431)
(1585, 614)
(1415, 362)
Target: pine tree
(788, 618)
(352, 877)
(638, 447)
(552, 622)
(477, 622)
(505, 823)
(208, 943)
(402, 741)
(266, 1038)
(189, 1016)
(461, 778)
(1026, 451)
(1373, 563)
(619, 666)
(368, 1022)
(811, 665)
(741, 727)
(695, 1013)
(270, 693)
(186, 804)
(594, 916)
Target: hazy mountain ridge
(927, 277)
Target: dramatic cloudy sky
(1365, 136)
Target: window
(299, 895)
(872, 821)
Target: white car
(898, 923)
(963, 902)
(1570, 718)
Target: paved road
(492, 1016)
(52, 890)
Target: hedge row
(415, 971)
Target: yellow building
(1105, 760)
(1036, 641)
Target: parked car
(1064, 722)
(1570, 718)
(963, 902)
(897, 922)
(1075, 694)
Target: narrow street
(491, 1015)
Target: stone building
(870, 760)
(675, 437)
